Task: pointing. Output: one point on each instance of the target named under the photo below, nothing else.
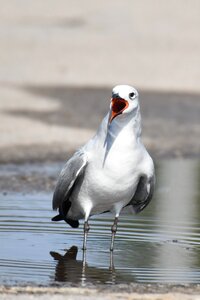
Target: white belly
(107, 187)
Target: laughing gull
(111, 171)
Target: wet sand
(124, 292)
(41, 123)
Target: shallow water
(160, 245)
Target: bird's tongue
(118, 106)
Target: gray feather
(143, 193)
(74, 167)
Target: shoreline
(132, 291)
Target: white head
(124, 101)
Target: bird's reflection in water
(69, 269)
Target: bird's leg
(113, 230)
(86, 230)
(112, 268)
(111, 261)
(84, 261)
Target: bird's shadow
(70, 270)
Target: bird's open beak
(118, 105)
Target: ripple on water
(161, 245)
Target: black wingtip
(72, 223)
(57, 218)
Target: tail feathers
(72, 223)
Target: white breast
(109, 182)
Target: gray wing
(74, 167)
(143, 193)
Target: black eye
(132, 95)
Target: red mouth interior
(118, 105)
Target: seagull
(111, 171)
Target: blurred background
(60, 59)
